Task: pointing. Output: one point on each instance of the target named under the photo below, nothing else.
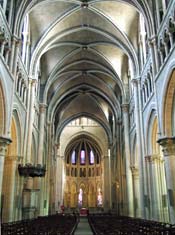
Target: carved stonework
(134, 170)
(4, 141)
(152, 41)
(42, 107)
(168, 145)
(125, 108)
(134, 81)
(153, 158)
(31, 170)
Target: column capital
(12, 158)
(59, 157)
(4, 141)
(152, 40)
(134, 170)
(16, 38)
(32, 81)
(42, 107)
(105, 157)
(57, 145)
(153, 158)
(49, 123)
(135, 81)
(125, 107)
(168, 145)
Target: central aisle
(83, 227)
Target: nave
(87, 115)
(93, 224)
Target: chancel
(87, 116)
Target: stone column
(125, 108)
(154, 185)
(106, 183)
(39, 182)
(32, 83)
(136, 191)
(4, 141)
(168, 147)
(3, 43)
(9, 188)
(14, 40)
(10, 12)
(110, 178)
(7, 52)
(30, 192)
(3, 145)
(154, 54)
(27, 54)
(4, 5)
(15, 57)
(29, 199)
(59, 181)
(42, 109)
(139, 142)
(48, 166)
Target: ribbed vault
(84, 52)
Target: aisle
(83, 227)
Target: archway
(83, 166)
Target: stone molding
(135, 170)
(60, 157)
(135, 81)
(152, 41)
(42, 107)
(125, 107)
(153, 158)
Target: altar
(84, 212)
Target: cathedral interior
(87, 108)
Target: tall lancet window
(73, 157)
(99, 198)
(80, 198)
(91, 157)
(82, 157)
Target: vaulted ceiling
(84, 50)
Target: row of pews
(102, 224)
(47, 225)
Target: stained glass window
(73, 160)
(91, 157)
(82, 157)
(99, 198)
(80, 197)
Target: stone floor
(83, 227)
